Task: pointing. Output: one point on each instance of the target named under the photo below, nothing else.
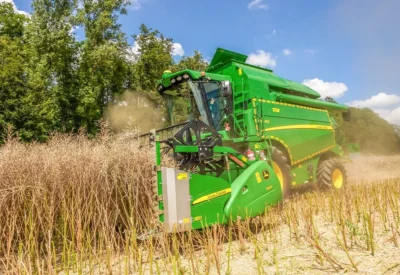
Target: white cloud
(133, 51)
(257, 4)
(135, 4)
(331, 89)
(135, 48)
(177, 49)
(287, 52)
(261, 58)
(390, 115)
(394, 116)
(15, 7)
(377, 101)
(382, 104)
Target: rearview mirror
(226, 88)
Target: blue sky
(348, 49)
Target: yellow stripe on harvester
(319, 127)
(212, 196)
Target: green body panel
(337, 150)
(209, 211)
(223, 55)
(301, 174)
(158, 175)
(304, 132)
(254, 189)
(266, 110)
(259, 79)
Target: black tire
(281, 160)
(327, 175)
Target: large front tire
(282, 170)
(331, 174)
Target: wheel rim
(278, 173)
(337, 178)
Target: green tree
(12, 23)
(12, 68)
(103, 66)
(52, 65)
(195, 62)
(330, 99)
(374, 134)
(153, 58)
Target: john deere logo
(265, 174)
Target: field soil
(366, 169)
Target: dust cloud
(133, 110)
(364, 168)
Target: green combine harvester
(246, 140)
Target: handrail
(163, 129)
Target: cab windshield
(214, 102)
(195, 100)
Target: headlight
(173, 80)
(185, 76)
(179, 78)
(225, 83)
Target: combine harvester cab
(242, 139)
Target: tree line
(373, 134)
(52, 82)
